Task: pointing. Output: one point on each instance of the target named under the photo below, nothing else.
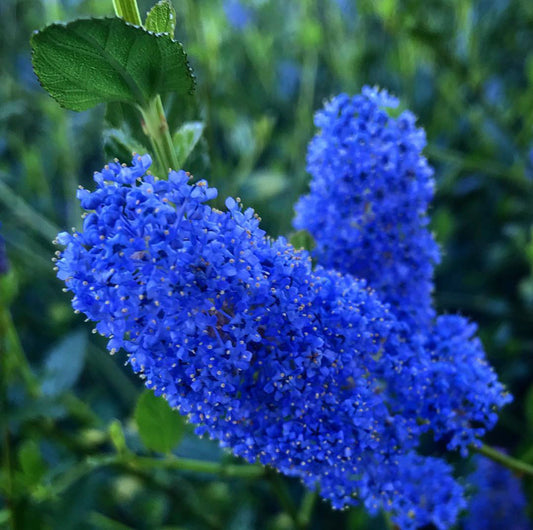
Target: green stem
(156, 127)
(7, 457)
(154, 120)
(26, 213)
(388, 521)
(507, 175)
(98, 520)
(194, 20)
(304, 107)
(198, 466)
(136, 463)
(505, 460)
(128, 10)
(282, 493)
(306, 508)
(13, 355)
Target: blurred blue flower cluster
(329, 374)
(498, 501)
(238, 14)
(4, 263)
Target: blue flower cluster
(372, 187)
(279, 362)
(498, 501)
(323, 376)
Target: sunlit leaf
(160, 427)
(161, 18)
(186, 138)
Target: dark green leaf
(186, 138)
(92, 61)
(180, 109)
(100, 521)
(64, 363)
(121, 145)
(161, 18)
(123, 132)
(160, 427)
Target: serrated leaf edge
(66, 24)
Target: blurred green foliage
(465, 67)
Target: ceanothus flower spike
(367, 208)
(283, 364)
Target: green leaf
(31, 462)
(122, 145)
(186, 138)
(160, 427)
(92, 61)
(116, 434)
(64, 363)
(263, 185)
(98, 520)
(8, 288)
(302, 239)
(123, 133)
(161, 18)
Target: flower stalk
(512, 463)
(154, 121)
(128, 10)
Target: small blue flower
(498, 501)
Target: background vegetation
(465, 67)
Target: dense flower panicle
(498, 501)
(462, 401)
(281, 363)
(367, 211)
(367, 206)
